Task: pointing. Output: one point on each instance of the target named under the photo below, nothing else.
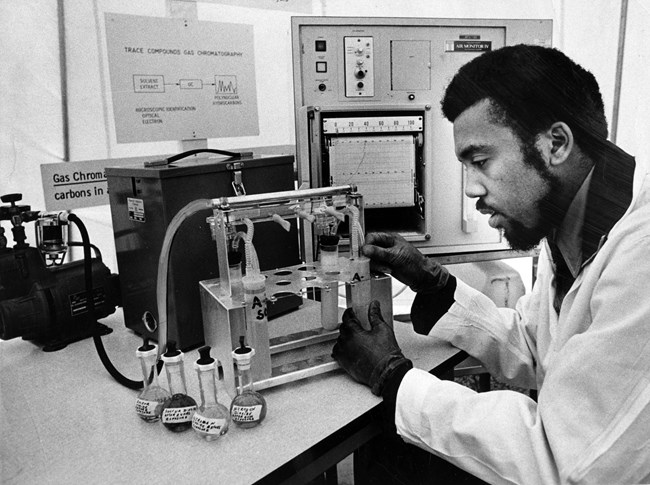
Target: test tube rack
(298, 344)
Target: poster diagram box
(145, 83)
(225, 84)
(191, 84)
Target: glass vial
(211, 419)
(150, 401)
(178, 410)
(248, 408)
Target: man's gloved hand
(368, 356)
(391, 253)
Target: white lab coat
(591, 365)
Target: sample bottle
(178, 410)
(211, 419)
(257, 324)
(150, 401)
(248, 408)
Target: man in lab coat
(530, 130)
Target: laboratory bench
(64, 419)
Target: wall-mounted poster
(180, 79)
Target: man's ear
(561, 142)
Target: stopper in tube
(147, 349)
(172, 354)
(146, 346)
(243, 355)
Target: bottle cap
(172, 354)
(205, 361)
(243, 355)
(146, 349)
(204, 356)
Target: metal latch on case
(237, 183)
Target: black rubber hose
(98, 253)
(90, 308)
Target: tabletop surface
(65, 420)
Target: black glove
(391, 253)
(368, 356)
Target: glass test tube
(257, 324)
(360, 293)
(329, 306)
(237, 318)
(235, 275)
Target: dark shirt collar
(568, 236)
(608, 196)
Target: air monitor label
(468, 45)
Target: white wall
(634, 122)
(31, 123)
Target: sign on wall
(180, 79)
(75, 185)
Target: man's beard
(523, 238)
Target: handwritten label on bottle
(178, 415)
(146, 408)
(207, 425)
(246, 414)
